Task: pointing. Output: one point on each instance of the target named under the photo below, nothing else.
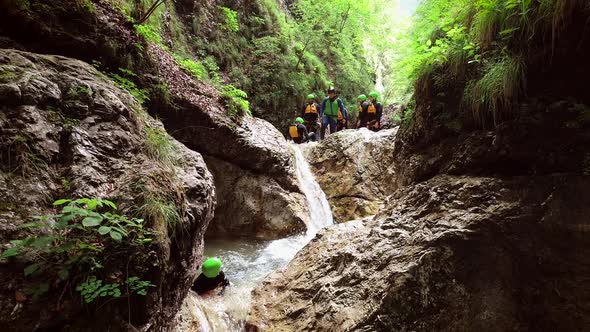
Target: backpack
(293, 132)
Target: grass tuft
(497, 90)
(160, 146)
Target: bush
(231, 19)
(236, 101)
(75, 250)
(197, 69)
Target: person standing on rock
(297, 132)
(211, 277)
(363, 106)
(331, 107)
(310, 113)
(374, 112)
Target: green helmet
(362, 97)
(374, 94)
(311, 96)
(299, 120)
(211, 267)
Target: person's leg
(333, 125)
(324, 127)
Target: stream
(246, 262)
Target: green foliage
(160, 146)
(92, 288)
(236, 101)
(197, 69)
(149, 33)
(501, 84)
(478, 46)
(7, 76)
(87, 6)
(231, 19)
(160, 209)
(124, 82)
(23, 159)
(75, 244)
(138, 286)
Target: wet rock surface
(449, 254)
(355, 169)
(250, 203)
(67, 131)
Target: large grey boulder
(254, 204)
(67, 131)
(355, 170)
(448, 254)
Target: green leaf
(10, 252)
(89, 247)
(507, 31)
(31, 269)
(109, 203)
(31, 225)
(91, 221)
(116, 236)
(103, 230)
(61, 202)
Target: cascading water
(247, 262)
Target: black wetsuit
(204, 284)
(301, 136)
(363, 107)
(311, 118)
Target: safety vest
(340, 115)
(293, 132)
(372, 109)
(311, 109)
(360, 109)
(332, 107)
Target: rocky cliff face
(67, 131)
(448, 254)
(355, 169)
(193, 111)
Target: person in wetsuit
(211, 277)
(374, 112)
(310, 113)
(297, 132)
(362, 110)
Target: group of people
(333, 116)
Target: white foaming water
(246, 262)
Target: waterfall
(247, 262)
(319, 208)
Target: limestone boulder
(355, 170)
(448, 254)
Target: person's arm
(323, 106)
(343, 110)
(379, 114)
(303, 110)
(304, 133)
